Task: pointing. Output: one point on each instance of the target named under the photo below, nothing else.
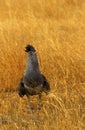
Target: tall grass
(56, 29)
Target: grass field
(57, 30)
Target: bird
(33, 82)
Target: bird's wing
(46, 85)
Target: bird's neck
(33, 61)
(32, 64)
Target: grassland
(57, 30)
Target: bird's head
(30, 49)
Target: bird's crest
(30, 48)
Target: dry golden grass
(57, 30)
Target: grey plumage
(33, 82)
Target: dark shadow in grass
(3, 121)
